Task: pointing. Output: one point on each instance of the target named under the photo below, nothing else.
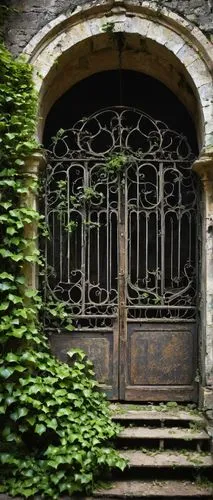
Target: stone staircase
(168, 453)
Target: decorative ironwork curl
(119, 129)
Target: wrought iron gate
(121, 207)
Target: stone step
(167, 459)
(156, 433)
(154, 489)
(158, 416)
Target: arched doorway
(165, 46)
(121, 204)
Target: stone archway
(160, 44)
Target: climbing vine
(116, 163)
(54, 423)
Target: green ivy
(55, 425)
(116, 163)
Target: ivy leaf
(63, 412)
(31, 293)
(9, 388)
(52, 424)
(10, 136)
(19, 413)
(20, 368)
(20, 280)
(80, 366)
(6, 276)
(10, 400)
(5, 286)
(15, 298)
(73, 352)
(11, 357)
(6, 372)
(5, 253)
(58, 476)
(28, 356)
(5, 458)
(31, 420)
(8, 182)
(23, 428)
(17, 332)
(40, 429)
(60, 392)
(11, 230)
(19, 162)
(17, 257)
(22, 313)
(6, 204)
(4, 306)
(70, 328)
(31, 258)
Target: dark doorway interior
(114, 88)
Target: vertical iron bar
(130, 245)
(179, 225)
(75, 256)
(108, 261)
(156, 250)
(146, 247)
(53, 239)
(84, 241)
(98, 248)
(157, 233)
(61, 245)
(68, 231)
(138, 228)
(189, 216)
(172, 250)
(162, 218)
(110, 250)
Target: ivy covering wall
(55, 425)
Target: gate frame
(190, 55)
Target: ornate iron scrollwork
(83, 205)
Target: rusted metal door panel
(161, 361)
(121, 206)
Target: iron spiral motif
(121, 164)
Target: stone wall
(30, 16)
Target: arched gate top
(117, 130)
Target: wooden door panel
(100, 349)
(161, 361)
